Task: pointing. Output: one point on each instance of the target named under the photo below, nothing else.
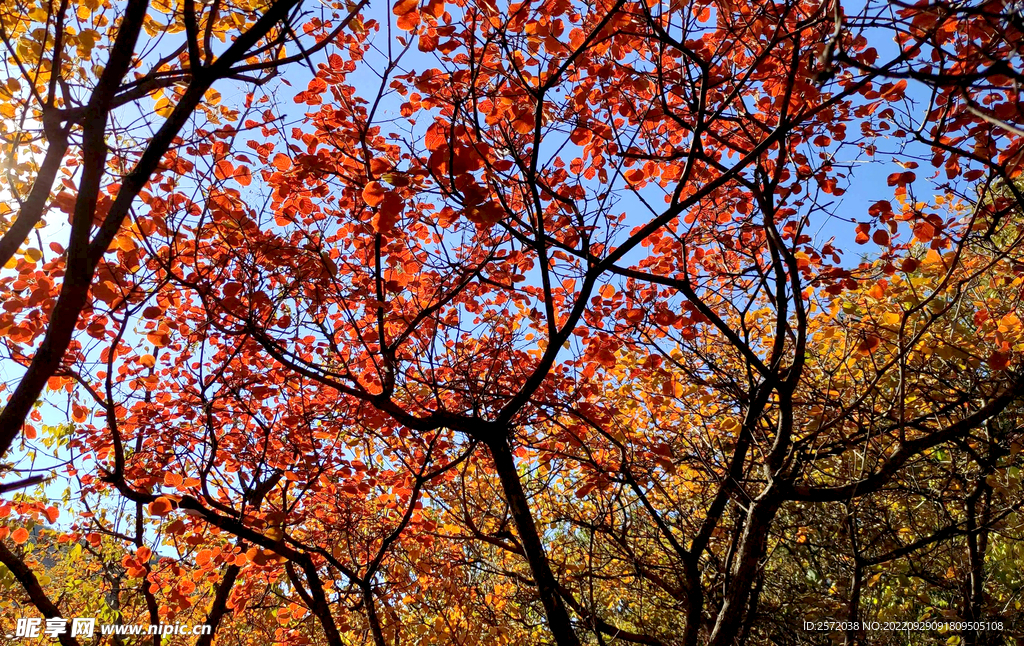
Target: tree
(533, 339)
(84, 106)
(71, 104)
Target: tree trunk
(547, 588)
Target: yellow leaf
(86, 41)
(153, 27)
(163, 107)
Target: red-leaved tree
(529, 322)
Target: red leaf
(880, 207)
(901, 179)
(999, 360)
(434, 8)
(584, 490)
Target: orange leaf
(391, 207)
(434, 137)
(894, 91)
(160, 507)
(868, 345)
(281, 162)
(580, 136)
(409, 21)
(862, 233)
(177, 527)
(485, 214)
(224, 169)
(20, 535)
(373, 193)
(434, 8)
(403, 7)
(428, 41)
(924, 231)
(524, 123)
(635, 176)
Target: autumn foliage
(462, 322)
